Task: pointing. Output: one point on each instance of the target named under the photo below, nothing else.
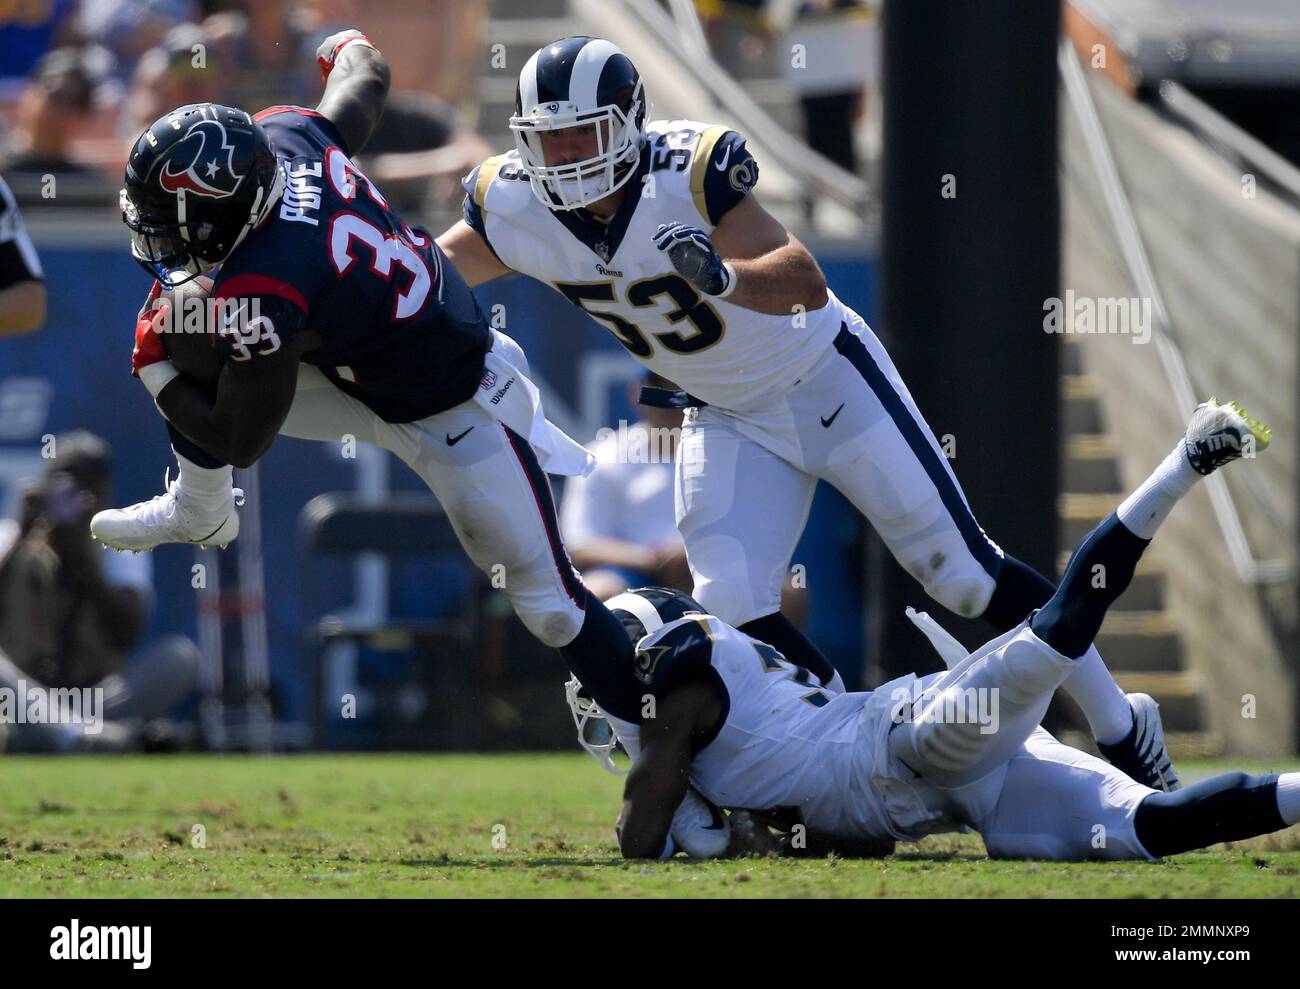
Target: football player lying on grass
(703, 286)
(712, 718)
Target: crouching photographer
(71, 613)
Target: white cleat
(1219, 433)
(1142, 753)
(167, 519)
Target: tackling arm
(774, 271)
(470, 255)
(660, 778)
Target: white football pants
(745, 484)
(487, 480)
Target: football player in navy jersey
(327, 317)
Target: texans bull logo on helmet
(210, 169)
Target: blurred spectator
(186, 67)
(266, 47)
(839, 57)
(419, 148)
(129, 28)
(22, 283)
(71, 611)
(827, 52)
(53, 109)
(28, 31)
(739, 33)
(619, 523)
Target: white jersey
(719, 352)
(784, 741)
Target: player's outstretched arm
(252, 401)
(470, 255)
(749, 259)
(659, 780)
(774, 272)
(356, 85)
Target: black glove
(695, 258)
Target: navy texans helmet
(197, 181)
(648, 609)
(579, 83)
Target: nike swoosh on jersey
(721, 166)
(453, 440)
(827, 422)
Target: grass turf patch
(480, 826)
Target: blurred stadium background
(1118, 149)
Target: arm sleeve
(18, 259)
(722, 173)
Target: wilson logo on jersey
(210, 170)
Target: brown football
(187, 341)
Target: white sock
(1288, 797)
(1100, 698)
(1148, 506)
(204, 487)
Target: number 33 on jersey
(391, 323)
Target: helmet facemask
(581, 183)
(595, 733)
(179, 251)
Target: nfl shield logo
(489, 379)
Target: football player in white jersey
(714, 718)
(651, 228)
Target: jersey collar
(602, 240)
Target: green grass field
(414, 826)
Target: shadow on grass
(511, 862)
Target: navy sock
(780, 633)
(1228, 807)
(190, 450)
(1099, 571)
(601, 656)
(1020, 590)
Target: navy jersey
(397, 327)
